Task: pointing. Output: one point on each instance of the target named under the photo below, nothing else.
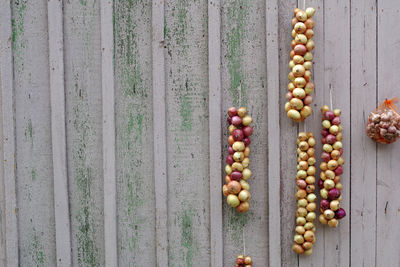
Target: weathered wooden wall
(113, 131)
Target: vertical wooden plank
(337, 79)
(160, 131)
(187, 95)
(8, 175)
(3, 254)
(134, 134)
(214, 77)
(274, 155)
(288, 135)
(84, 130)
(244, 83)
(58, 134)
(107, 84)
(313, 123)
(36, 222)
(388, 168)
(363, 149)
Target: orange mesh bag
(384, 123)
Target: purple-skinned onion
(333, 194)
(340, 214)
(236, 120)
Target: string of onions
(237, 169)
(305, 196)
(242, 261)
(300, 87)
(331, 168)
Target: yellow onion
(299, 239)
(307, 65)
(236, 166)
(247, 120)
(309, 33)
(297, 59)
(244, 195)
(248, 260)
(293, 114)
(299, 82)
(309, 88)
(225, 190)
(298, 70)
(243, 207)
(310, 180)
(307, 245)
(298, 249)
(309, 226)
(242, 112)
(301, 16)
(301, 39)
(300, 229)
(308, 55)
(246, 151)
(310, 12)
(228, 169)
(305, 111)
(245, 185)
(233, 200)
(296, 103)
(246, 174)
(329, 214)
(234, 187)
(322, 219)
(309, 236)
(301, 221)
(333, 222)
(307, 75)
(299, 93)
(246, 162)
(311, 216)
(288, 107)
(300, 27)
(309, 23)
(291, 86)
(238, 146)
(308, 252)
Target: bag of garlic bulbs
(384, 123)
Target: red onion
(238, 135)
(236, 176)
(325, 156)
(330, 139)
(324, 132)
(340, 213)
(246, 141)
(230, 150)
(248, 130)
(229, 160)
(320, 183)
(236, 120)
(324, 204)
(333, 194)
(338, 170)
(232, 111)
(329, 115)
(336, 121)
(229, 120)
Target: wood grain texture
(187, 132)
(134, 133)
(244, 84)
(214, 110)
(109, 168)
(58, 134)
(34, 175)
(274, 155)
(337, 79)
(9, 227)
(160, 131)
(84, 130)
(388, 182)
(288, 135)
(363, 149)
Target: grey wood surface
(113, 131)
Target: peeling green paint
(134, 91)
(236, 33)
(36, 250)
(235, 224)
(187, 236)
(29, 130)
(88, 252)
(186, 113)
(33, 174)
